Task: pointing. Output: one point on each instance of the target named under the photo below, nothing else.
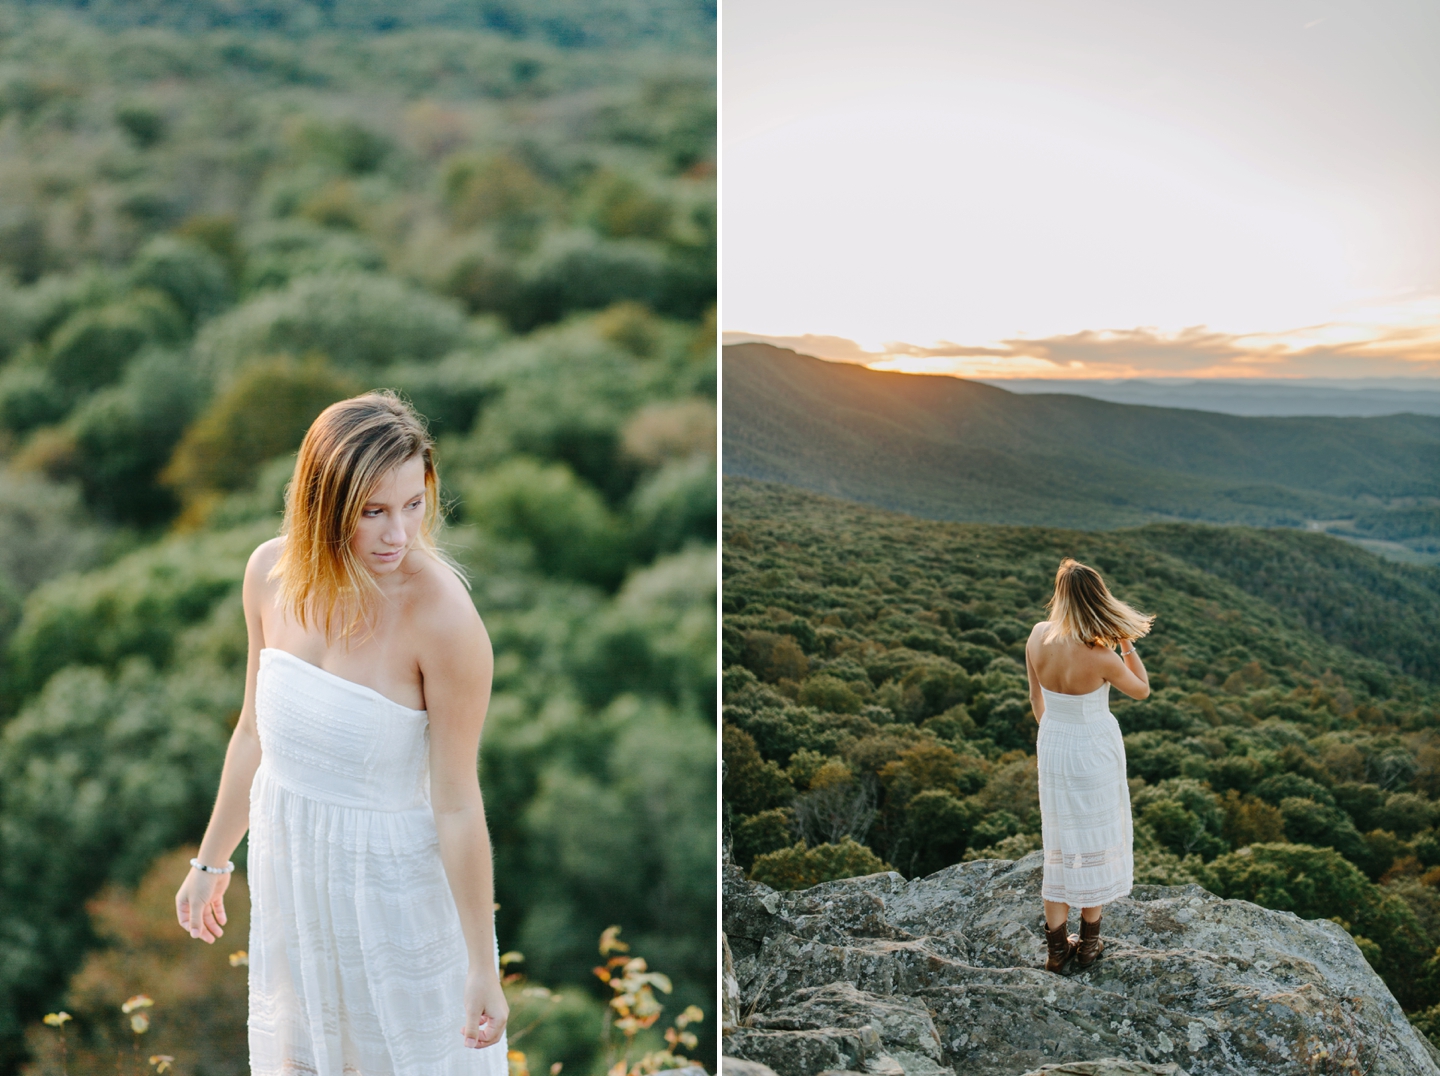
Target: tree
(263, 413)
(752, 784)
(798, 867)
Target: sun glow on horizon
(1123, 191)
(1394, 340)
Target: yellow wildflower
(139, 1023)
(139, 1001)
(512, 957)
(161, 1062)
(238, 958)
(610, 942)
(57, 1019)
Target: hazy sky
(1068, 188)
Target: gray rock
(735, 1066)
(945, 974)
(730, 1011)
(1109, 1066)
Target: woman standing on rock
(1084, 800)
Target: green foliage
(752, 784)
(98, 776)
(136, 606)
(92, 347)
(799, 867)
(192, 276)
(361, 322)
(561, 518)
(608, 23)
(1270, 762)
(264, 413)
(124, 435)
(763, 832)
(657, 636)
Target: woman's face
(390, 519)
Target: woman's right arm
(1127, 673)
(200, 903)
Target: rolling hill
(944, 448)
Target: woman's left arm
(457, 666)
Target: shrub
(752, 784)
(263, 413)
(98, 776)
(1185, 816)
(125, 434)
(136, 606)
(30, 397)
(758, 834)
(562, 519)
(361, 322)
(799, 867)
(277, 252)
(658, 636)
(193, 277)
(675, 505)
(93, 347)
(938, 828)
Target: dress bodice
(1078, 708)
(332, 740)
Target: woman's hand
(486, 1009)
(200, 904)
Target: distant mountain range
(1390, 396)
(945, 448)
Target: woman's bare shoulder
(439, 600)
(263, 559)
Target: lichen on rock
(944, 974)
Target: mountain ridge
(944, 448)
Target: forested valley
(216, 220)
(876, 713)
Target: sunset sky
(1111, 188)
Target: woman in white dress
(1071, 661)
(353, 764)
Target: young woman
(353, 765)
(1072, 661)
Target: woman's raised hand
(486, 1010)
(200, 904)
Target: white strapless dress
(357, 961)
(1085, 822)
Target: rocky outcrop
(944, 975)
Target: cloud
(1409, 345)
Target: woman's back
(1065, 665)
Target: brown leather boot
(1061, 947)
(1090, 946)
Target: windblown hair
(346, 453)
(1083, 608)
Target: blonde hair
(346, 453)
(1082, 608)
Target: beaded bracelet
(212, 870)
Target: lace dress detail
(1085, 820)
(357, 961)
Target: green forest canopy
(209, 232)
(876, 711)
